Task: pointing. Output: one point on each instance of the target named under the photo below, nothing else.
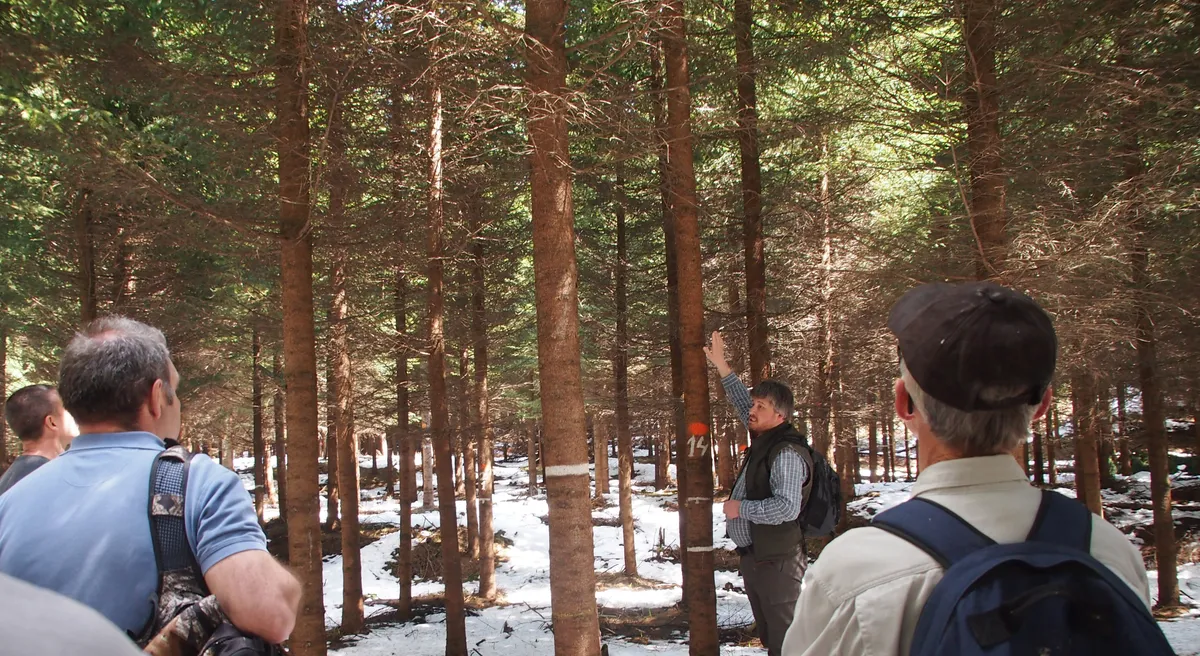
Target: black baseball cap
(957, 339)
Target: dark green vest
(771, 541)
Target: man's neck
(46, 448)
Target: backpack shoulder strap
(168, 492)
(1062, 521)
(933, 528)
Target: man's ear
(903, 403)
(49, 423)
(158, 399)
(1044, 406)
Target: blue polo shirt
(79, 525)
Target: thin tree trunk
(531, 449)
(1087, 472)
(456, 628)
(408, 473)
(1039, 463)
(1124, 442)
(825, 347)
(694, 464)
(277, 406)
(123, 280)
(873, 447)
(84, 242)
(428, 482)
(256, 435)
(572, 575)
(466, 436)
(662, 456)
(1104, 434)
(1051, 444)
(889, 450)
(299, 339)
(747, 133)
(986, 209)
(332, 453)
(600, 455)
(621, 352)
(625, 498)
(908, 456)
(483, 423)
(341, 374)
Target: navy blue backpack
(1046, 596)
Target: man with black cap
(976, 361)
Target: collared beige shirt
(866, 591)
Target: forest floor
(638, 615)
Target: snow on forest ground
(521, 626)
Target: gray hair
(979, 433)
(108, 369)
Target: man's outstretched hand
(716, 354)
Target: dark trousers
(773, 587)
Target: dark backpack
(201, 627)
(1046, 596)
(822, 494)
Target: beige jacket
(866, 591)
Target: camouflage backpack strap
(180, 584)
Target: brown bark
(1087, 471)
(86, 250)
(277, 406)
(1104, 435)
(341, 374)
(625, 497)
(694, 464)
(620, 361)
(123, 281)
(889, 447)
(572, 575)
(256, 424)
(873, 446)
(600, 455)
(483, 420)
(332, 453)
(1039, 463)
(531, 450)
(1051, 445)
(662, 456)
(467, 438)
(908, 455)
(1123, 441)
(403, 441)
(456, 629)
(428, 481)
(747, 133)
(982, 106)
(299, 339)
(822, 398)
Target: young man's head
(976, 361)
(772, 405)
(36, 413)
(117, 375)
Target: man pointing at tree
(766, 499)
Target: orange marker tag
(697, 428)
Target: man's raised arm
(735, 391)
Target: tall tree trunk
(456, 628)
(889, 444)
(483, 420)
(625, 498)
(908, 455)
(1104, 435)
(277, 406)
(332, 453)
(747, 122)
(428, 482)
(621, 357)
(123, 281)
(873, 446)
(299, 339)
(84, 242)
(342, 376)
(1039, 463)
(694, 464)
(572, 571)
(532, 449)
(261, 466)
(826, 348)
(467, 438)
(662, 456)
(1124, 442)
(1051, 445)
(671, 256)
(1087, 472)
(600, 455)
(982, 106)
(404, 442)
(1153, 415)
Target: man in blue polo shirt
(79, 525)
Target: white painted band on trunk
(699, 500)
(700, 549)
(582, 469)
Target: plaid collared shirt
(788, 475)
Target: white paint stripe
(700, 549)
(699, 500)
(568, 470)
